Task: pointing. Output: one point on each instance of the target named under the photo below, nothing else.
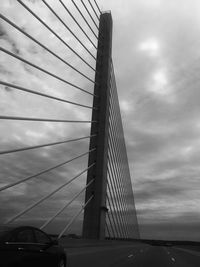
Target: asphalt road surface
(133, 256)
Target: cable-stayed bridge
(64, 163)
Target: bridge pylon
(95, 212)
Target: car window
(24, 236)
(42, 237)
(3, 235)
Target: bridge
(109, 209)
(64, 162)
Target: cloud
(171, 231)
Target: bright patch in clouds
(151, 46)
(160, 83)
(187, 151)
(160, 78)
(125, 106)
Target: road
(133, 256)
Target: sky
(156, 59)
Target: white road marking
(131, 255)
(173, 259)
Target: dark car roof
(6, 230)
(6, 227)
(12, 227)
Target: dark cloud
(171, 231)
(5, 36)
(8, 89)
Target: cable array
(83, 56)
(121, 218)
(43, 70)
(54, 33)
(47, 196)
(43, 46)
(81, 13)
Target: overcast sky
(156, 58)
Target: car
(29, 246)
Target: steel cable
(45, 47)
(65, 206)
(122, 150)
(118, 121)
(97, 6)
(74, 218)
(119, 180)
(77, 23)
(113, 217)
(44, 171)
(89, 14)
(93, 9)
(114, 138)
(43, 70)
(3, 152)
(107, 229)
(47, 196)
(28, 9)
(17, 87)
(84, 18)
(112, 133)
(42, 119)
(113, 232)
(74, 35)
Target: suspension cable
(109, 219)
(47, 196)
(45, 47)
(107, 229)
(84, 18)
(28, 9)
(74, 218)
(113, 129)
(3, 152)
(93, 9)
(17, 87)
(114, 218)
(78, 24)
(41, 119)
(66, 205)
(97, 6)
(116, 210)
(114, 156)
(44, 171)
(122, 145)
(58, 17)
(43, 70)
(115, 173)
(89, 14)
(112, 188)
